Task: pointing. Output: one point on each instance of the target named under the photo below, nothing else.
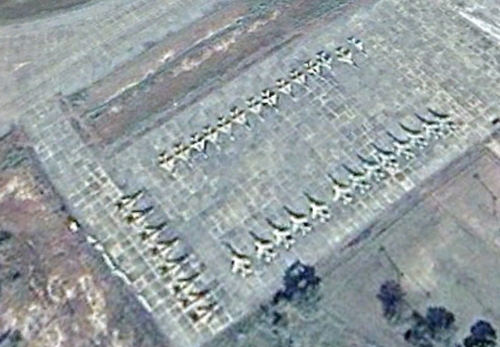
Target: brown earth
(196, 65)
(53, 291)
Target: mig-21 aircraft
(402, 147)
(357, 43)
(318, 209)
(202, 314)
(313, 68)
(264, 248)
(138, 216)
(298, 222)
(298, 77)
(431, 128)
(255, 106)
(358, 180)
(127, 201)
(284, 87)
(325, 59)
(269, 98)
(344, 55)
(417, 138)
(184, 284)
(182, 152)
(167, 162)
(225, 125)
(198, 143)
(341, 191)
(281, 234)
(192, 297)
(173, 266)
(240, 263)
(374, 168)
(444, 120)
(239, 117)
(163, 247)
(387, 158)
(211, 134)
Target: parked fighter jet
(298, 77)
(318, 209)
(173, 266)
(269, 98)
(312, 67)
(264, 248)
(211, 134)
(298, 222)
(341, 191)
(444, 119)
(374, 168)
(198, 143)
(239, 117)
(225, 125)
(358, 180)
(344, 55)
(255, 106)
(127, 201)
(284, 87)
(431, 128)
(202, 314)
(325, 59)
(167, 162)
(402, 147)
(417, 139)
(282, 235)
(357, 43)
(193, 297)
(240, 263)
(180, 285)
(181, 152)
(138, 216)
(387, 158)
(163, 247)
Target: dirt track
(202, 67)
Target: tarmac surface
(420, 54)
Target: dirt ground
(11, 10)
(54, 290)
(197, 65)
(445, 242)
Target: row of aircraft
(385, 162)
(198, 304)
(280, 236)
(269, 99)
(381, 164)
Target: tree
(440, 321)
(483, 330)
(482, 334)
(297, 282)
(419, 334)
(391, 296)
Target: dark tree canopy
(483, 330)
(470, 341)
(439, 319)
(298, 279)
(482, 334)
(391, 296)
(5, 236)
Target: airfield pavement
(420, 54)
